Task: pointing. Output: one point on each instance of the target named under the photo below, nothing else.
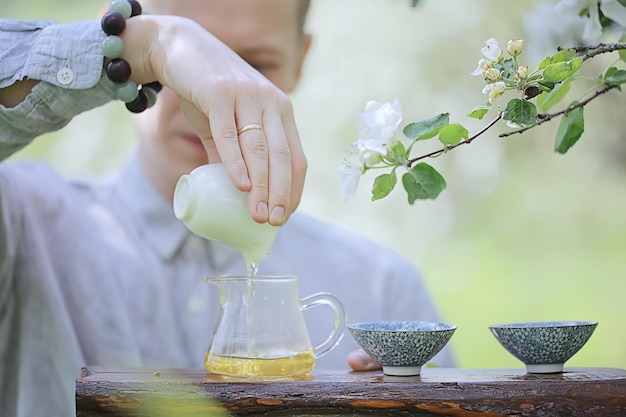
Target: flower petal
(614, 11)
(477, 71)
(377, 125)
(492, 50)
(573, 6)
(350, 177)
(593, 28)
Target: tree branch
(546, 117)
(438, 152)
(587, 53)
(598, 49)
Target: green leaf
(547, 100)
(608, 73)
(561, 56)
(520, 113)
(546, 85)
(561, 70)
(571, 128)
(507, 68)
(479, 112)
(452, 134)
(422, 182)
(383, 185)
(427, 128)
(617, 77)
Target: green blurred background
(520, 234)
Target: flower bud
(515, 47)
(493, 74)
(370, 158)
(522, 72)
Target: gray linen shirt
(102, 273)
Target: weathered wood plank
(438, 392)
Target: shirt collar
(149, 210)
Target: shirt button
(195, 306)
(65, 76)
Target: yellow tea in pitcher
(260, 329)
(299, 364)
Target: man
(271, 40)
(102, 273)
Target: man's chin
(190, 161)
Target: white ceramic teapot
(211, 207)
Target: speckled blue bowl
(402, 347)
(544, 346)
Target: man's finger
(358, 360)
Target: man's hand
(220, 94)
(361, 361)
(14, 94)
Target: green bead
(151, 95)
(127, 91)
(112, 46)
(121, 6)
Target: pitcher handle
(340, 319)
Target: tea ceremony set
(282, 381)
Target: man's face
(264, 33)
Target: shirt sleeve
(67, 60)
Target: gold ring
(249, 127)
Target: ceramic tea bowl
(544, 346)
(402, 347)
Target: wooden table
(437, 392)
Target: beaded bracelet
(137, 97)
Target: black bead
(139, 104)
(113, 23)
(155, 85)
(136, 8)
(118, 70)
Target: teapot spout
(210, 280)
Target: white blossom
(483, 66)
(377, 126)
(492, 50)
(493, 74)
(614, 10)
(547, 28)
(494, 90)
(593, 29)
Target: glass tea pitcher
(261, 331)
